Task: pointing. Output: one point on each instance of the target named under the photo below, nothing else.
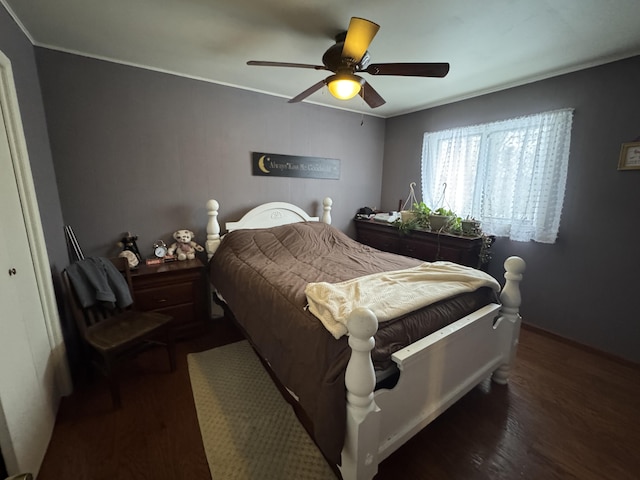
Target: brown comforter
(262, 274)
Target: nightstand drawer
(165, 296)
(177, 289)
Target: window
(510, 175)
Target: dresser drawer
(419, 249)
(388, 242)
(165, 296)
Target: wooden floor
(567, 413)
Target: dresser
(176, 288)
(424, 245)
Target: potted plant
(415, 219)
(421, 213)
(440, 219)
(470, 227)
(409, 216)
(421, 217)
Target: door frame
(33, 225)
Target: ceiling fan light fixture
(344, 86)
(349, 55)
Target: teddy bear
(184, 248)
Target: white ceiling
(490, 44)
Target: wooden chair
(114, 335)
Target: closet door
(28, 394)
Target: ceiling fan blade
(359, 35)
(370, 96)
(284, 64)
(308, 91)
(409, 69)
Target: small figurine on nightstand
(130, 249)
(184, 248)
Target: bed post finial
(510, 312)
(359, 455)
(514, 267)
(213, 228)
(326, 207)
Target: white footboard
(435, 372)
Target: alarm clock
(160, 249)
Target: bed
(368, 391)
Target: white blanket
(392, 294)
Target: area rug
(249, 431)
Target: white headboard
(270, 214)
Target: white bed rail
(435, 372)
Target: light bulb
(344, 86)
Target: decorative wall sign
(275, 165)
(629, 156)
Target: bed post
(360, 451)
(213, 228)
(510, 299)
(326, 207)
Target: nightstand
(176, 288)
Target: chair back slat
(122, 264)
(81, 317)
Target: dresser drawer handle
(161, 300)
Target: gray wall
(142, 151)
(585, 286)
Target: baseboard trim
(582, 346)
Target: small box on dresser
(176, 288)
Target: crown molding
(17, 20)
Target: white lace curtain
(510, 175)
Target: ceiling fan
(349, 56)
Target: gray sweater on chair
(96, 279)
